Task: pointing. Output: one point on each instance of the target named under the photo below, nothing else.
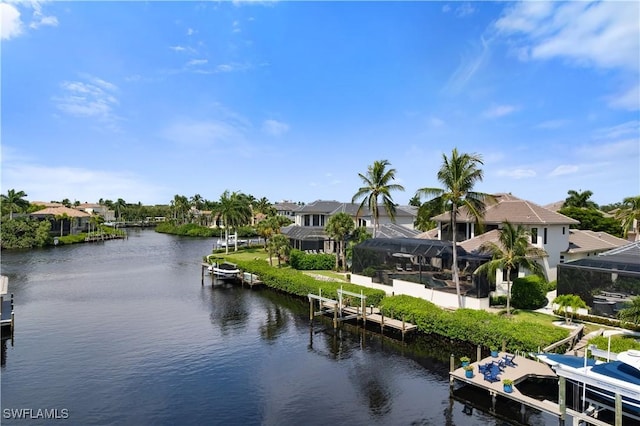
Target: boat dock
(525, 368)
(7, 316)
(250, 280)
(341, 312)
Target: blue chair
(508, 360)
(491, 374)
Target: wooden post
(618, 408)
(202, 274)
(562, 403)
(311, 309)
(335, 315)
(504, 346)
(479, 353)
(452, 363)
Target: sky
(292, 100)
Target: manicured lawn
(329, 274)
(534, 317)
(247, 254)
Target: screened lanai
(422, 261)
(606, 282)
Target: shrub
(553, 285)
(299, 284)
(529, 292)
(311, 262)
(475, 327)
(369, 271)
(619, 343)
(498, 300)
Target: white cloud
(618, 149)
(552, 124)
(11, 23)
(629, 99)
(45, 183)
(517, 173)
(236, 27)
(497, 111)
(92, 98)
(40, 20)
(628, 128)
(564, 169)
(196, 62)
(446, 8)
(435, 122)
(274, 127)
(231, 67)
(603, 34)
(469, 65)
(190, 31)
(465, 9)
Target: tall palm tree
(458, 174)
(119, 206)
(377, 184)
(511, 252)
(579, 199)
(565, 301)
(180, 205)
(338, 227)
(629, 215)
(235, 211)
(14, 201)
(279, 244)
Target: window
(562, 257)
(306, 220)
(544, 236)
(534, 235)
(563, 228)
(514, 275)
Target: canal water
(122, 332)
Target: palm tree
(338, 227)
(234, 211)
(511, 252)
(458, 174)
(377, 184)
(631, 311)
(14, 201)
(572, 301)
(629, 215)
(119, 205)
(61, 218)
(579, 199)
(279, 244)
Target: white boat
(602, 380)
(231, 242)
(224, 270)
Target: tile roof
(286, 206)
(473, 244)
(392, 230)
(53, 211)
(431, 234)
(516, 211)
(319, 206)
(587, 241)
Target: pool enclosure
(606, 282)
(421, 261)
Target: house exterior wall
(404, 221)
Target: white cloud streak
(275, 128)
(498, 111)
(11, 23)
(94, 98)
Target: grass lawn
(535, 317)
(329, 274)
(247, 254)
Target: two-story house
(307, 232)
(548, 230)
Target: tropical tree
(631, 311)
(234, 211)
(14, 202)
(579, 199)
(377, 184)
(565, 301)
(119, 206)
(629, 215)
(339, 226)
(358, 235)
(510, 253)
(279, 244)
(197, 202)
(180, 206)
(61, 218)
(458, 175)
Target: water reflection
(275, 323)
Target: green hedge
(529, 292)
(187, 230)
(311, 262)
(473, 326)
(299, 284)
(610, 322)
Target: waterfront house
(64, 220)
(307, 231)
(100, 209)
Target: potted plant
(465, 360)
(468, 371)
(507, 385)
(494, 351)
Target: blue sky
(291, 100)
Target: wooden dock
(525, 369)
(340, 312)
(7, 316)
(250, 279)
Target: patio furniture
(508, 360)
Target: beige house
(99, 209)
(64, 220)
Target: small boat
(224, 270)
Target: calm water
(122, 332)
